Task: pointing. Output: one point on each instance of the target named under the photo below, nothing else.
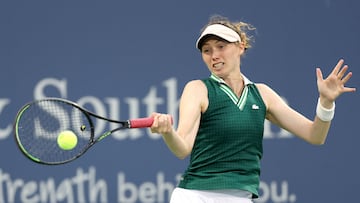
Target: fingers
(342, 72)
(334, 84)
(319, 74)
(343, 76)
(349, 89)
(338, 67)
(339, 72)
(345, 80)
(347, 77)
(162, 123)
(161, 118)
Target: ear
(241, 46)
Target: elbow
(317, 142)
(182, 157)
(317, 139)
(182, 154)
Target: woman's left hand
(334, 85)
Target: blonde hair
(241, 28)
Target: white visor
(219, 30)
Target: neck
(236, 84)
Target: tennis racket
(39, 123)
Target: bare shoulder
(195, 92)
(264, 90)
(274, 103)
(267, 93)
(195, 86)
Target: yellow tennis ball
(67, 140)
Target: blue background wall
(126, 59)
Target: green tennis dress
(228, 146)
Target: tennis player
(221, 119)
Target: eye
(205, 50)
(221, 45)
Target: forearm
(319, 131)
(320, 127)
(177, 144)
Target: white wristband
(323, 113)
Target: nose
(215, 55)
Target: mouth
(218, 65)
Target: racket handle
(143, 122)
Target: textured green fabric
(228, 146)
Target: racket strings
(39, 125)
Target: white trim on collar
(220, 80)
(238, 101)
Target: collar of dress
(238, 101)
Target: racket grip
(143, 122)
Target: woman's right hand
(163, 123)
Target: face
(221, 57)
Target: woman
(221, 119)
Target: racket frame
(125, 124)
